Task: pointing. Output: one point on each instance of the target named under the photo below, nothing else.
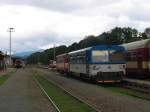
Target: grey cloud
(56, 5)
(139, 14)
(134, 10)
(34, 42)
(37, 41)
(61, 5)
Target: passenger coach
(62, 63)
(101, 63)
(138, 58)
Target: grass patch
(64, 101)
(3, 79)
(126, 91)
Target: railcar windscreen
(107, 56)
(100, 56)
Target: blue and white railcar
(101, 63)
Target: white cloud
(41, 24)
(31, 22)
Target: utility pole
(10, 30)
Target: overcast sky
(39, 24)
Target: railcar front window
(100, 56)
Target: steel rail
(49, 98)
(138, 85)
(77, 98)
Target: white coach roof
(137, 44)
(81, 50)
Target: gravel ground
(20, 93)
(102, 99)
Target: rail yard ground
(19, 92)
(103, 98)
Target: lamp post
(10, 30)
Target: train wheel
(81, 76)
(93, 79)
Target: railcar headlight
(96, 67)
(122, 66)
(109, 67)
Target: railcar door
(87, 62)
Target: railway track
(135, 84)
(67, 92)
(49, 98)
(77, 98)
(103, 97)
(139, 85)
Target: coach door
(149, 60)
(139, 56)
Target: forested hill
(117, 35)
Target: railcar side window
(60, 60)
(81, 60)
(78, 60)
(116, 56)
(100, 56)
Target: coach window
(84, 59)
(72, 60)
(57, 60)
(128, 56)
(80, 60)
(62, 59)
(133, 55)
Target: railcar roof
(81, 50)
(98, 46)
(62, 54)
(137, 44)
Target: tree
(147, 32)
(117, 35)
(130, 34)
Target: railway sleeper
(139, 87)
